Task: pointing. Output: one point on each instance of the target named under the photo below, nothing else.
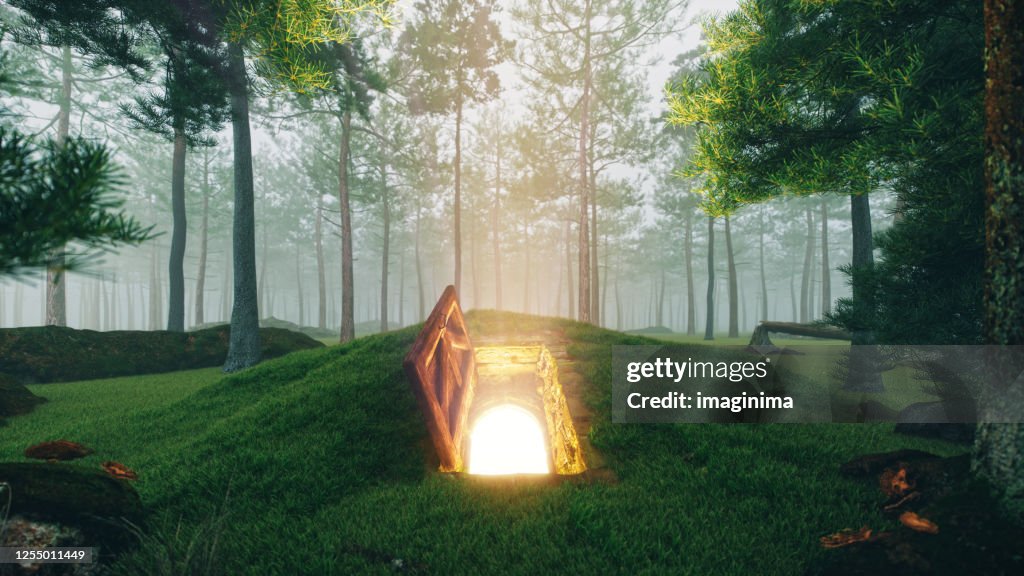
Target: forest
(433, 166)
(273, 187)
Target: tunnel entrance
(491, 410)
(507, 439)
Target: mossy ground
(318, 463)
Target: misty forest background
(647, 248)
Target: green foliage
(834, 96)
(53, 194)
(193, 99)
(283, 35)
(453, 47)
(849, 96)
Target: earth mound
(44, 354)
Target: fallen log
(760, 335)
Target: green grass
(317, 463)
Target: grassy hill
(318, 463)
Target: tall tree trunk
(474, 261)
(261, 290)
(179, 231)
(792, 290)
(863, 256)
(129, 308)
(348, 327)
(204, 233)
(691, 295)
(458, 194)
(826, 268)
(19, 304)
(526, 268)
(603, 309)
(495, 221)
(56, 297)
(321, 274)
(709, 324)
(385, 251)
(419, 266)
(999, 448)
(660, 319)
(734, 327)
(805, 280)
(595, 296)
(227, 280)
(764, 281)
(864, 375)
(568, 269)
(298, 284)
(154, 291)
(584, 230)
(618, 305)
(244, 346)
(401, 287)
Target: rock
(86, 499)
(15, 399)
(58, 354)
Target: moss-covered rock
(57, 354)
(85, 498)
(15, 398)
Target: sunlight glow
(507, 440)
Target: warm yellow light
(507, 440)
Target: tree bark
(595, 296)
(568, 269)
(999, 448)
(204, 236)
(760, 336)
(385, 251)
(805, 279)
(179, 231)
(401, 287)
(764, 281)
(660, 318)
(457, 208)
(56, 296)
(864, 376)
(734, 328)
(826, 268)
(691, 298)
(348, 327)
(495, 220)
(298, 284)
(419, 265)
(526, 268)
(709, 323)
(321, 275)
(584, 230)
(863, 253)
(244, 345)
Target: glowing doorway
(507, 439)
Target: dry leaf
(895, 482)
(846, 537)
(915, 522)
(118, 470)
